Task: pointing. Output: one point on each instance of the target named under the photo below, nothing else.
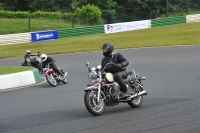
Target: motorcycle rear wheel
(51, 80)
(94, 107)
(137, 102)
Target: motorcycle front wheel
(93, 106)
(51, 80)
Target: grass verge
(13, 69)
(179, 34)
(19, 25)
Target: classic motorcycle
(52, 77)
(35, 62)
(104, 91)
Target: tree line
(106, 6)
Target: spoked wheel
(136, 102)
(51, 80)
(93, 106)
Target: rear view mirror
(87, 64)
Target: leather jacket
(47, 61)
(115, 57)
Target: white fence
(15, 38)
(193, 18)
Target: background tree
(89, 14)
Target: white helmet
(43, 57)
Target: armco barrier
(168, 21)
(19, 79)
(15, 38)
(193, 18)
(71, 32)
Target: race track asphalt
(171, 106)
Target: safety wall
(71, 32)
(19, 79)
(168, 21)
(193, 18)
(15, 38)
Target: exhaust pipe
(65, 74)
(138, 94)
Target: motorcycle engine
(115, 90)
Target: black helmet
(107, 48)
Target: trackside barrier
(15, 38)
(79, 31)
(108, 28)
(193, 18)
(168, 21)
(19, 79)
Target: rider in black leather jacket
(49, 60)
(117, 68)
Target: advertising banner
(44, 35)
(127, 26)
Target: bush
(10, 14)
(67, 16)
(20, 14)
(89, 14)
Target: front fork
(99, 90)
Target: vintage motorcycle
(35, 62)
(52, 77)
(104, 91)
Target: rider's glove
(119, 65)
(51, 63)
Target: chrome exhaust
(65, 74)
(138, 94)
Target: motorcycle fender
(91, 88)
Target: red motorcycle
(52, 77)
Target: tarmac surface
(171, 106)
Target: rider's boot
(125, 94)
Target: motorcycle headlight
(109, 77)
(45, 70)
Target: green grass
(13, 69)
(179, 34)
(9, 26)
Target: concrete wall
(19, 79)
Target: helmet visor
(43, 58)
(105, 49)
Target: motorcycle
(52, 77)
(104, 91)
(35, 62)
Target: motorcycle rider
(117, 68)
(27, 59)
(49, 60)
